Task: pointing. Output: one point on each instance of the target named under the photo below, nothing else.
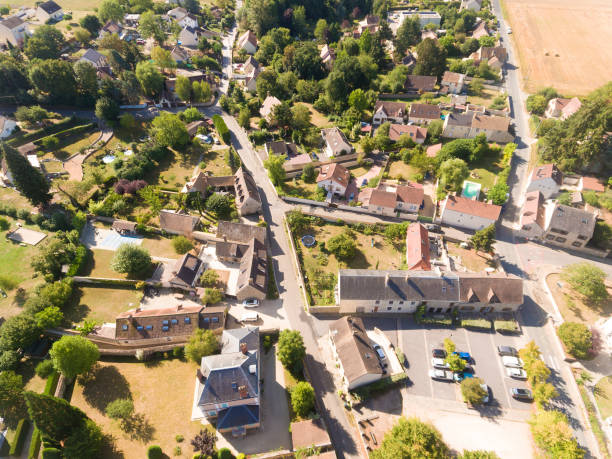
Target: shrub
(51, 453)
(577, 338)
(302, 398)
(179, 438)
(178, 352)
(177, 451)
(51, 383)
(224, 453)
(34, 444)
(121, 408)
(9, 360)
(21, 433)
(209, 278)
(4, 224)
(44, 369)
(221, 128)
(378, 387)
(181, 245)
(154, 452)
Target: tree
(149, 77)
(577, 339)
(182, 245)
(301, 117)
(91, 23)
(219, 204)
(19, 332)
(282, 115)
(537, 371)
(291, 350)
(342, 245)
(170, 131)
(411, 439)
(204, 443)
(431, 59)
(244, 118)
(276, 171)
(602, 235)
(73, 355)
(455, 363)
(358, 100)
(50, 317)
(87, 86)
(212, 296)
(476, 86)
(9, 360)
(449, 346)
(53, 417)
(163, 60)
(302, 398)
(151, 25)
(32, 115)
(131, 259)
(209, 278)
(472, 391)
(408, 34)
(484, 238)
(297, 221)
(498, 193)
(201, 344)
(45, 43)
(307, 63)
(82, 35)
(155, 452)
(453, 173)
(121, 408)
(107, 109)
(552, 433)
(321, 30)
(85, 441)
(309, 173)
(29, 181)
(12, 403)
(587, 280)
(110, 10)
(543, 393)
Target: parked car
(521, 394)
(509, 30)
(464, 356)
(439, 363)
(507, 350)
(379, 351)
(250, 303)
(441, 375)
(438, 353)
(461, 375)
(516, 373)
(486, 389)
(513, 362)
(249, 317)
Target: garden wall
(345, 160)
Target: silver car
(512, 362)
(516, 373)
(441, 375)
(439, 363)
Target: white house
(547, 179)
(384, 111)
(7, 126)
(247, 42)
(12, 31)
(562, 108)
(334, 178)
(49, 11)
(183, 17)
(455, 82)
(188, 37)
(468, 213)
(328, 56)
(336, 143)
(473, 5)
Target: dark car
(438, 353)
(521, 394)
(507, 350)
(432, 227)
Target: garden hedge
(20, 434)
(79, 260)
(51, 453)
(66, 133)
(46, 131)
(34, 444)
(221, 128)
(51, 383)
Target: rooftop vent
(253, 369)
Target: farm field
(576, 35)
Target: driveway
(100, 238)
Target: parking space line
(428, 353)
(467, 340)
(552, 363)
(503, 372)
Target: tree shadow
(138, 428)
(102, 385)
(109, 448)
(74, 311)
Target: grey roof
(254, 267)
(278, 147)
(572, 220)
(186, 269)
(429, 111)
(336, 140)
(94, 56)
(244, 184)
(239, 232)
(232, 338)
(11, 22)
(50, 7)
(460, 119)
(231, 249)
(237, 416)
(181, 223)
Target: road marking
(467, 340)
(428, 354)
(503, 372)
(553, 363)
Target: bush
(23, 427)
(34, 444)
(51, 453)
(4, 224)
(479, 324)
(154, 452)
(44, 369)
(577, 338)
(302, 398)
(508, 326)
(181, 245)
(221, 128)
(9, 360)
(178, 352)
(224, 453)
(209, 278)
(121, 408)
(179, 438)
(51, 383)
(79, 259)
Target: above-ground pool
(308, 240)
(108, 159)
(471, 190)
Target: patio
(228, 272)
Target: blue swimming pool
(471, 190)
(113, 240)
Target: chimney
(179, 307)
(387, 279)
(243, 348)
(243, 392)
(200, 376)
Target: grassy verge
(594, 421)
(476, 324)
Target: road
(523, 259)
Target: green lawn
(300, 189)
(101, 304)
(485, 170)
(159, 246)
(99, 265)
(603, 396)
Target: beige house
(175, 222)
(567, 226)
(49, 11)
(354, 352)
(468, 213)
(267, 108)
(457, 125)
(389, 200)
(473, 5)
(247, 196)
(247, 42)
(328, 56)
(372, 291)
(394, 112)
(189, 37)
(562, 108)
(423, 113)
(455, 82)
(496, 128)
(547, 179)
(333, 178)
(481, 30)
(13, 31)
(495, 56)
(336, 143)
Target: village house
(189, 37)
(186, 272)
(481, 30)
(248, 201)
(7, 126)
(183, 17)
(495, 56)
(13, 32)
(409, 60)
(310, 433)
(374, 291)
(423, 113)
(333, 178)
(328, 56)
(533, 216)
(496, 128)
(131, 20)
(417, 248)
(267, 108)
(94, 58)
(562, 108)
(416, 133)
(473, 5)
(389, 200)
(228, 384)
(250, 65)
(591, 184)
(370, 22)
(547, 179)
(420, 83)
(279, 147)
(468, 213)
(247, 42)
(111, 27)
(124, 227)
(455, 82)
(354, 353)
(335, 142)
(49, 12)
(384, 111)
(457, 125)
(567, 226)
(250, 82)
(174, 222)
(191, 75)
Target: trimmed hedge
(46, 131)
(478, 324)
(272, 290)
(510, 326)
(51, 453)
(379, 387)
(79, 260)
(221, 128)
(66, 133)
(51, 383)
(20, 434)
(154, 452)
(34, 445)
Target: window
(215, 319)
(124, 327)
(224, 405)
(187, 320)
(526, 227)
(401, 302)
(556, 230)
(174, 321)
(165, 328)
(582, 238)
(391, 302)
(165, 322)
(139, 328)
(212, 413)
(206, 319)
(560, 239)
(389, 308)
(550, 237)
(377, 302)
(149, 327)
(577, 244)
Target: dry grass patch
(472, 260)
(571, 305)
(603, 396)
(399, 170)
(162, 392)
(101, 304)
(317, 118)
(159, 246)
(99, 265)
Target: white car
(516, 373)
(439, 363)
(442, 375)
(379, 351)
(509, 30)
(512, 362)
(250, 303)
(249, 317)
(486, 389)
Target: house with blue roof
(227, 384)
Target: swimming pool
(471, 190)
(113, 240)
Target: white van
(249, 317)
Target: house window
(165, 322)
(560, 239)
(582, 238)
(401, 302)
(526, 227)
(550, 237)
(224, 405)
(577, 244)
(389, 308)
(149, 327)
(377, 302)
(212, 413)
(140, 328)
(187, 320)
(165, 328)
(124, 327)
(174, 321)
(391, 302)
(215, 319)
(206, 320)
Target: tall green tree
(431, 58)
(87, 82)
(149, 77)
(201, 344)
(552, 432)
(12, 403)
(276, 171)
(54, 417)
(170, 131)
(73, 355)
(54, 81)
(291, 350)
(131, 259)
(302, 398)
(45, 43)
(408, 34)
(412, 439)
(588, 280)
(484, 239)
(91, 23)
(152, 25)
(111, 10)
(452, 174)
(29, 181)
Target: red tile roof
(533, 209)
(417, 247)
(336, 172)
(592, 184)
(547, 171)
(433, 150)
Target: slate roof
(50, 7)
(186, 270)
(460, 119)
(245, 187)
(491, 288)
(336, 140)
(11, 22)
(239, 232)
(119, 225)
(491, 122)
(237, 416)
(572, 220)
(181, 223)
(472, 207)
(95, 57)
(282, 148)
(427, 111)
